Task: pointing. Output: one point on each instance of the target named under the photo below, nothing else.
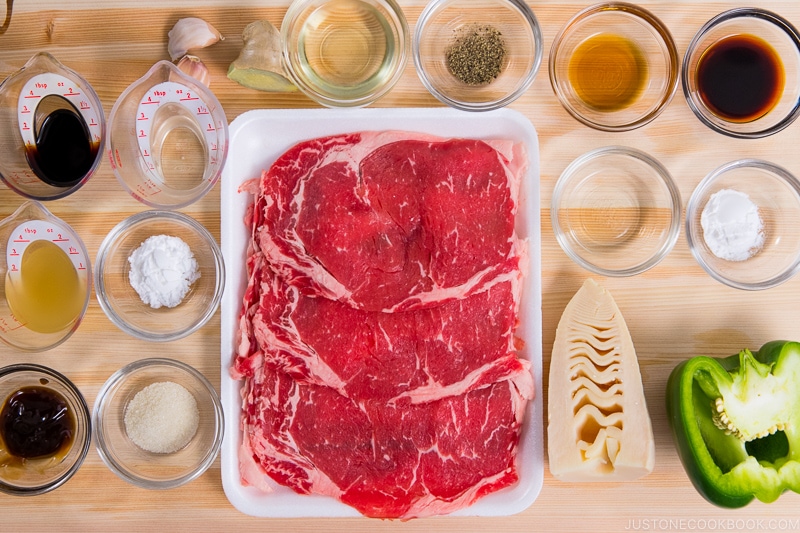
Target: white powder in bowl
(732, 227)
(162, 417)
(163, 269)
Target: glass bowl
(446, 35)
(37, 475)
(614, 66)
(776, 194)
(148, 469)
(123, 305)
(616, 211)
(741, 73)
(344, 53)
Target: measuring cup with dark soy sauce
(52, 130)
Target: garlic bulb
(194, 67)
(190, 33)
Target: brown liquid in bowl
(608, 72)
(36, 422)
(740, 78)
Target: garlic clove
(194, 67)
(190, 33)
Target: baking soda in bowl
(732, 227)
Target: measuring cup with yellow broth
(52, 130)
(46, 279)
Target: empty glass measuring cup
(168, 138)
(46, 279)
(52, 129)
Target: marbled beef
(389, 220)
(377, 337)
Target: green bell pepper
(736, 423)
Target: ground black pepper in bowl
(476, 55)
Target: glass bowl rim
(119, 377)
(731, 14)
(692, 208)
(533, 23)
(118, 231)
(660, 171)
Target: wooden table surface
(673, 311)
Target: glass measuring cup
(52, 129)
(45, 279)
(168, 138)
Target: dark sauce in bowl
(36, 422)
(740, 78)
(64, 152)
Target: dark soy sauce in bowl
(740, 78)
(36, 422)
(64, 151)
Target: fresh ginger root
(259, 63)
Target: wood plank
(674, 311)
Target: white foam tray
(257, 138)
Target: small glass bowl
(439, 26)
(156, 470)
(616, 211)
(776, 192)
(765, 28)
(29, 477)
(645, 59)
(344, 53)
(122, 303)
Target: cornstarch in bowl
(163, 269)
(732, 226)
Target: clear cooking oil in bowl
(345, 52)
(344, 46)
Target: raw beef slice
(376, 338)
(386, 220)
(418, 355)
(384, 460)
